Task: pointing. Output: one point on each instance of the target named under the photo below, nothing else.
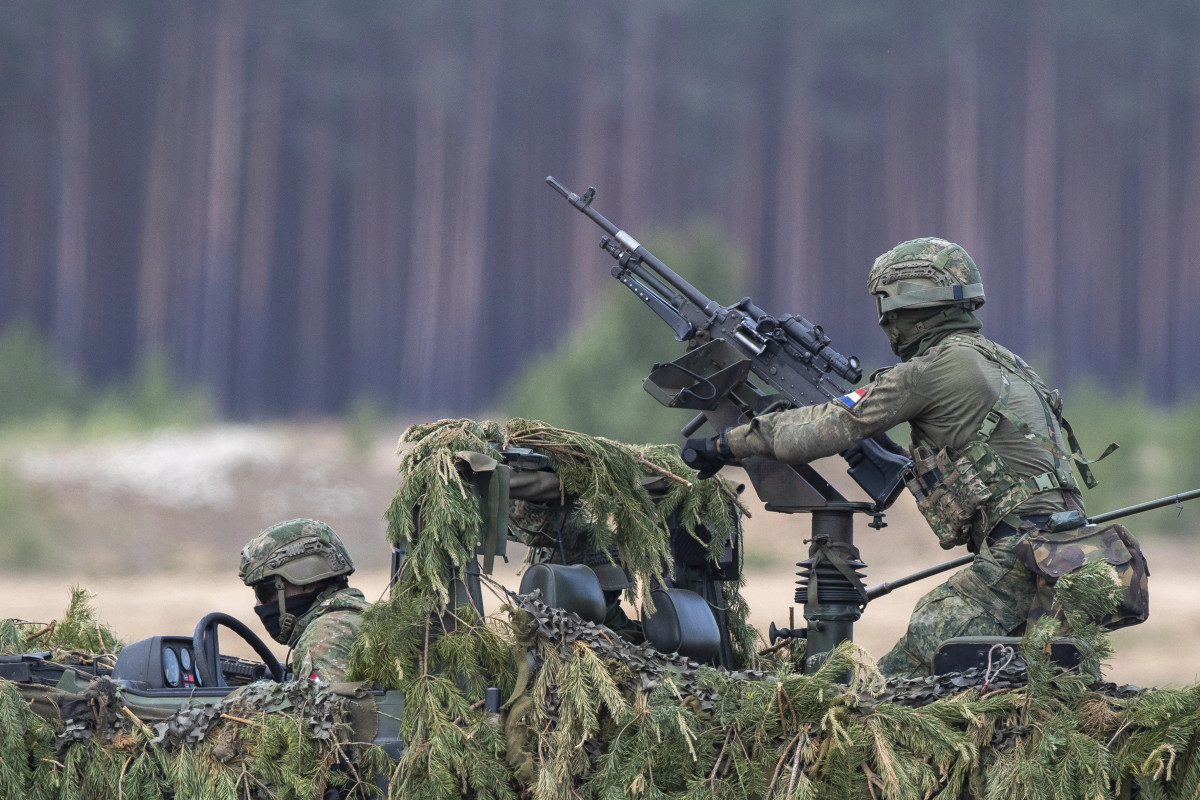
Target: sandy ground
(1165, 651)
(152, 527)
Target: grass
(43, 401)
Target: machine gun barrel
(662, 271)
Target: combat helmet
(925, 273)
(300, 551)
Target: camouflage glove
(707, 456)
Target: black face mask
(297, 604)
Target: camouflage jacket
(324, 635)
(943, 395)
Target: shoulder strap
(1009, 362)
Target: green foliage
(79, 629)
(264, 752)
(31, 382)
(24, 529)
(435, 500)
(78, 632)
(38, 393)
(22, 733)
(1157, 456)
(588, 714)
(435, 514)
(362, 424)
(150, 399)
(591, 713)
(593, 382)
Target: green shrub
(1157, 456)
(363, 418)
(24, 529)
(32, 384)
(38, 393)
(592, 382)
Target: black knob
(774, 633)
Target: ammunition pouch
(964, 495)
(1051, 555)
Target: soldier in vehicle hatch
(298, 570)
(990, 457)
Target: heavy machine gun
(743, 362)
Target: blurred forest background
(244, 242)
(296, 205)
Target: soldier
(987, 441)
(298, 570)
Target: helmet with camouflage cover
(301, 551)
(925, 273)
(298, 551)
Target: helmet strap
(287, 622)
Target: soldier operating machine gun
(789, 357)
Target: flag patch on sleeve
(851, 400)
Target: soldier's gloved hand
(890, 444)
(706, 456)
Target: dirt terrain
(153, 524)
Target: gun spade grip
(690, 457)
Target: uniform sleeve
(800, 435)
(323, 650)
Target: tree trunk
(1185, 326)
(426, 258)
(746, 197)
(316, 228)
(1153, 229)
(30, 206)
(368, 229)
(162, 186)
(468, 246)
(638, 111)
(797, 279)
(962, 142)
(253, 357)
(216, 350)
(192, 191)
(72, 127)
(1040, 177)
(1089, 307)
(901, 144)
(592, 138)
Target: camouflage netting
(588, 714)
(273, 740)
(604, 483)
(287, 740)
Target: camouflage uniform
(944, 388)
(325, 633)
(306, 552)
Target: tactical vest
(965, 493)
